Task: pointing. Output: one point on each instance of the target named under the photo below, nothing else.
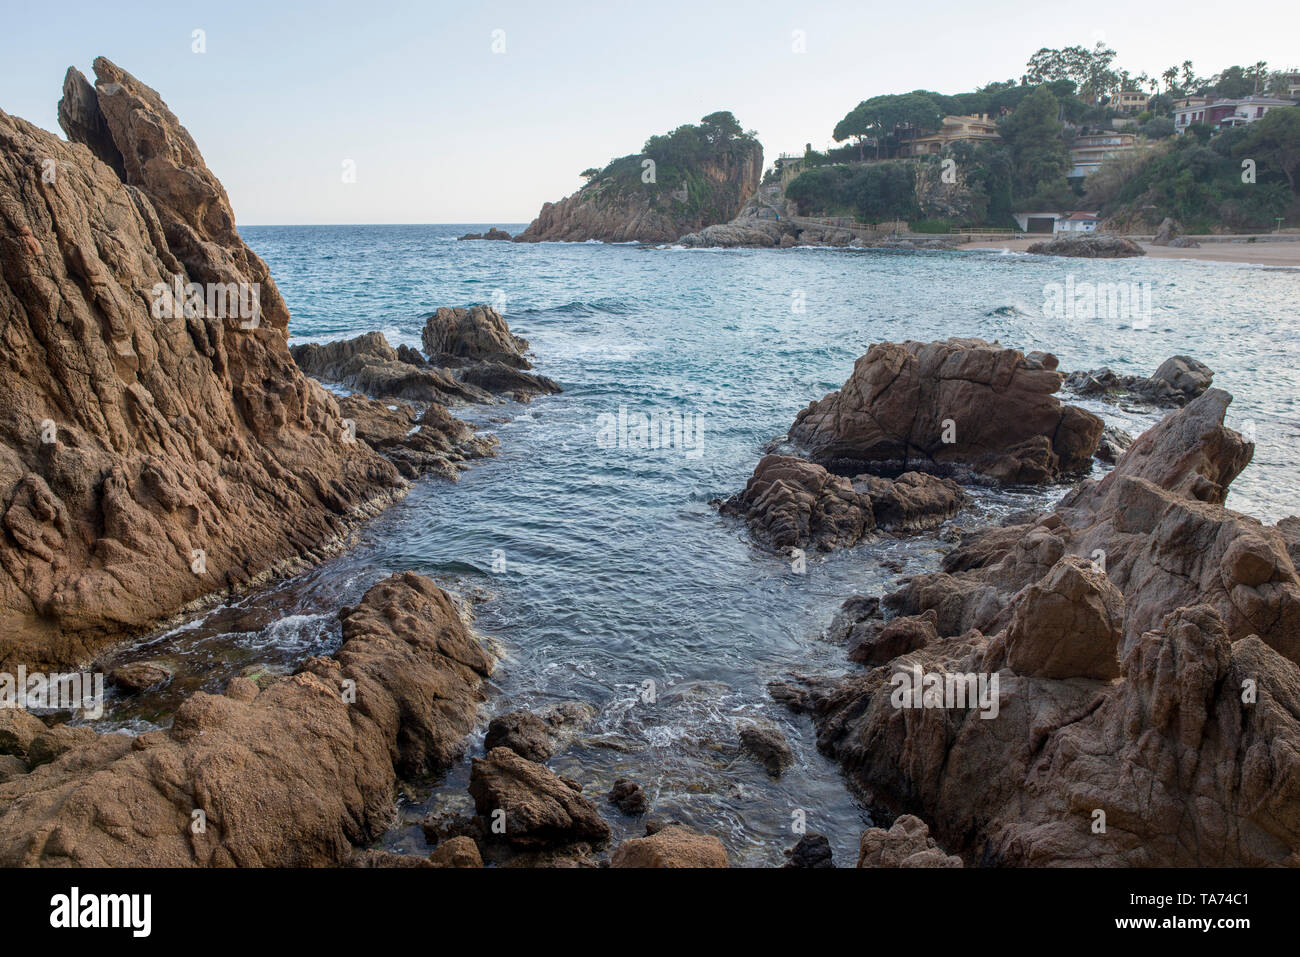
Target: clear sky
(443, 129)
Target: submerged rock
(140, 676)
(769, 746)
(629, 797)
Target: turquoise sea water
(617, 569)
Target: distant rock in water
(369, 364)
(939, 406)
(493, 233)
(1178, 380)
(154, 448)
(1090, 246)
(452, 336)
(473, 358)
(681, 182)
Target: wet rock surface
(295, 775)
(1177, 381)
(537, 807)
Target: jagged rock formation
(536, 807)
(153, 449)
(473, 357)
(293, 775)
(792, 503)
(936, 406)
(1089, 246)
(618, 205)
(493, 233)
(417, 442)
(369, 364)
(1178, 380)
(1146, 642)
(907, 843)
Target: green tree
(1273, 142)
(1033, 134)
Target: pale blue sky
(441, 129)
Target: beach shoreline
(1284, 253)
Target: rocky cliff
(157, 442)
(685, 194)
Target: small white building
(1056, 222)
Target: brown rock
(1068, 625)
(522, 732)
(1183, 758)
(769, 746)
(540, 809)
(57, 741)
(476, 334)
(456, 852)
(369, 364)
(628, 797)
(906, 844)
(17, 728)
(913, 502)
(131, 444)
(941, 405)
(140, 676)
(790, 503)
(671, 846)
(295, 777)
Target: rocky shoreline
(1113, 681)
(1140, 642)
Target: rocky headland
(680, 182)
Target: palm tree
(1170, 77)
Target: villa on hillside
(1090, 150)
(975, 128)
(1131, 101)
(1223, 113)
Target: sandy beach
(1283, 253)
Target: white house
(1056, 222)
